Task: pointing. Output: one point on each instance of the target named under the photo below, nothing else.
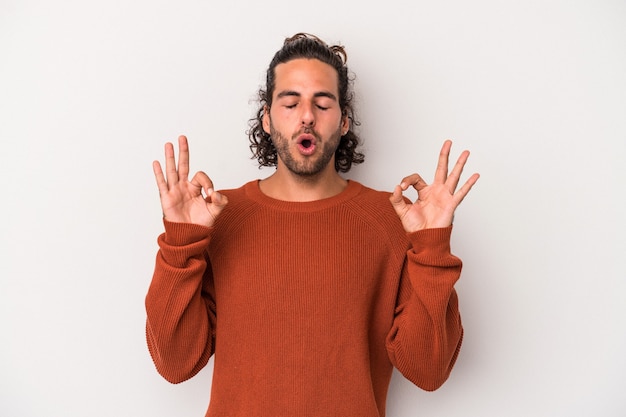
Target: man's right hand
(182, 200)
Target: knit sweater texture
(306, 306)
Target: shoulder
(235, 192)
(239, 196)
(239, 207)
(374, 201)
(376, 209)
(371, 193)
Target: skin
(305, 103)
(182, 200)
(436, 203)
(305, 100)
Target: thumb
(397, 199)
(216, 199)
(215, 203)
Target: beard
(306, 166)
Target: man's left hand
(436, 202)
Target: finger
(160, 178)
(183, 158)
(219, 200)
(414, 180)
(465, 189)
(170, 165)
(397, 199)
(202, 182)
(441, 173)
(455, 174)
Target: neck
(287, 186)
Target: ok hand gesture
(182, 200)
(436, 203)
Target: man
(306, 287)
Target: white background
(90, 91)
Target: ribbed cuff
(431, 243)
(181, 234)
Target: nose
(307, 116)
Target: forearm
(180, 311)
(427, 331)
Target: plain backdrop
(536, 90)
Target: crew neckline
(253, 190)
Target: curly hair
(304, 45)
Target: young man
(306, 287)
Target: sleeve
(426, 334)
(180, 304)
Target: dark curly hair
(304, 45)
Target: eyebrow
(288, 93)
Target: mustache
(308, 131)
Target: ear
(345, 125)
(266, 119)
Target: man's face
(305, 120)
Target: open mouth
(306, 144)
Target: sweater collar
(253, 191)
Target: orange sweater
(307, 306)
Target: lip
(306, 144)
